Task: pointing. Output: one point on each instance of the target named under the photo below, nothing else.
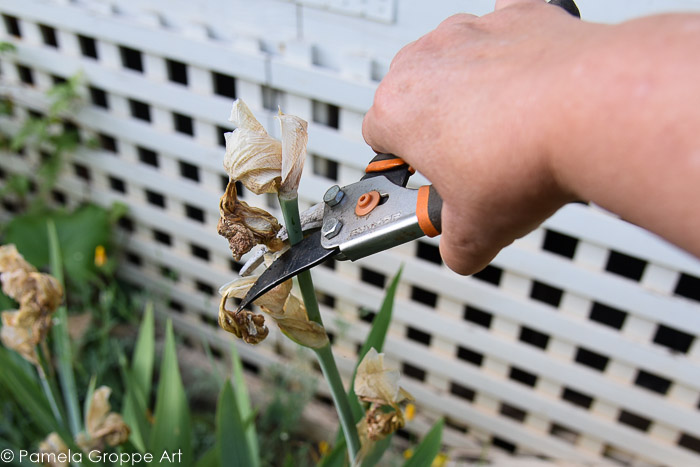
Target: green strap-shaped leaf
(245, 409)
(428, 449)
(230, 431)
(337, 457)
(138, 380)
(171, 430)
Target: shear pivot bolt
(333, 196)
(331, 227)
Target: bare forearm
(629, 138)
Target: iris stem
(290, 211)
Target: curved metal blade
(302, 256)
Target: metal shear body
(363, 218)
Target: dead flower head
(245, 226)
(285, 308)
(38, 296)
(260, 162)
(102, 426)
(56, 449)
(379, 385)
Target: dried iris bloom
(260, 162)
(38, 296)
(245, 226)
(379, 385)
(55, 449)
(285, 308)
(102, 426)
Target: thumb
(500, 4)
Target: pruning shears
(363, 218)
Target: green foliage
(428, 449)
(79, 232)
(232, 442)
(171, 427)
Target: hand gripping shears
(358, 220)
(365, 217)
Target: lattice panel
(578, 342)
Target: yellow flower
(410, 412)
(101, 425)
(440, 460)
(54, 449)
(323, 447)
(260, 162)
(100, 256)
(408, 453)
(286, 309)
(38, 296)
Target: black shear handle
(397, 171)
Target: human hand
(473, 106)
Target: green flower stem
(290, 211)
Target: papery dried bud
(294, 140)
(52, 448)
(245, 324)
(101, 425)
(17, 338)
(374, 382)
(272, 300)
(377, 424)
(294, 322)
(242, 117)
(245, 226)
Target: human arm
(514, 114)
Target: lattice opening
(564, 433)
(512, 412)
(140, 110)
(503, 444)
(688, 286)
(423, 296)
(88, 46)
(490, 274)
(271, 98)
(418, 335)
(59, 197)
(462, 391)
(82, 172)
(183, 124)
(98, 97)
(325, 299)
(633, 420)
(224, 85)
(48, 35)
(625, 265)
(177, 71)
(189, 171)
(469, 355)
(371, 277)
(176, 306)
(220, 132)
(560, 244)
(607, 315)
(522, 376)
(204, 287)
(533, 337)
(12, 26)
(170, 274)
(126, 223)
(194, 213)
(477, 316)
(199, 252)
(26, 75)
(147, 156)
(674, 339)
(156, 199)
(366, 314)
(689, 442)
(131, 58)
(652, 382)
(325, 114)
(106, 142)
(163, 238)
(324, 167)
(117, 184)
(411, 371)
(591, 359)
(428, 252)
(134, 258)
(577, 398)
(546, 293)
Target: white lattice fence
(579, 342)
